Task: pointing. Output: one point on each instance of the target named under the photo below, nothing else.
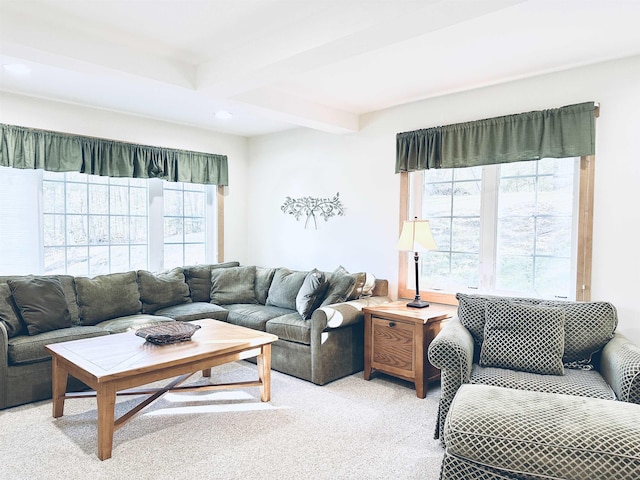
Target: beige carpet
(349, 429)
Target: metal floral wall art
(313, 208)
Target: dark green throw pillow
(41, 302)
(311, 293)
(341, 284)
(162, 290)
(9, 313)
(264, 277)
(233, 285)
(285, 287)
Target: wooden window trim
(584, 249)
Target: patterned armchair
(537, 345)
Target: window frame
(214, 230)
(584, 234)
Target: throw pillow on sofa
(523, 337)
(341, 286)
(233, 285)
(41, 303)
(162, 290)
(9, 313)
(285, 287)
(107, 296)
(311, 293)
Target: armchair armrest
(452, 350)
(345, 313)
(620, 367)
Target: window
(184, 223)
(90, 225)
(94, 225)
(507, 229)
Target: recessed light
(17, 68)
(223, 115)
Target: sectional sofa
(316, 315)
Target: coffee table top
(111, 356)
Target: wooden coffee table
(113, 363)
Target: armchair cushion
(523, 337)
(588, 327)
(471, 311)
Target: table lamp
(416, 237)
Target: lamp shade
(416, 237)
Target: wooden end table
(396, 339)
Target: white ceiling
(279, 64)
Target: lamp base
(417, 303)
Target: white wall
(361, 167)
(48, 115)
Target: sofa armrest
(4, 364)
(452, 350)
(620, 367)
(343, 314)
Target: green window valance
(30, 148)
(556, 133)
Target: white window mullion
(156, 225)
(488, 226)
(211, 225)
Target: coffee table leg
(58, 386)
(206, 372)
(264, 372)
(106, 395)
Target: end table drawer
(392, 343)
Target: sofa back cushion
(9, 313)
(41, 303)
(233, 285)
(472, 311)
(588, 328)
(162, 289)
(588, 325)
(198, 277)
(264, 277)
(523, 337)
(107, 296)
(285, 287)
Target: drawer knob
(392, 324)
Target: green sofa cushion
(291, 327)
(26, 349)
(264, 277)
(162, 289)
(285, 287)
(523, 337)
(107, 296)
(198, 277)
(187, 312)
(9, 313)
(41, 303)
(233, 285)
(131, 322)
